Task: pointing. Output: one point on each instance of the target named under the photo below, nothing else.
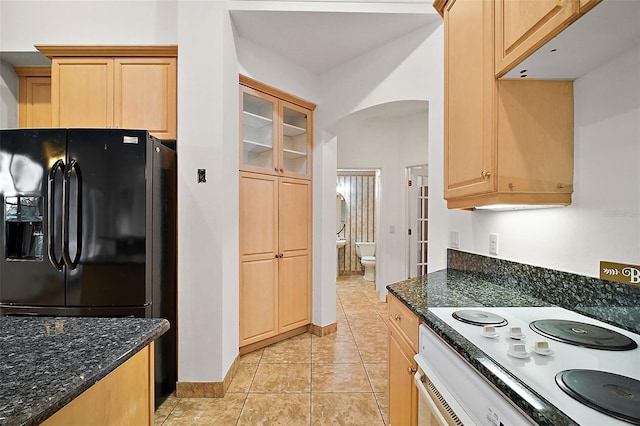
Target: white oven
(452, 392)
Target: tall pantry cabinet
(275, 214)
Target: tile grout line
(246, 395)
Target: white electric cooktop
(538, 370)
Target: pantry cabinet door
(294, 292)
(145, 95)
(82, 92)
(294, 246)
(258, 257)
(258, 300)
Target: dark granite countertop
(47, 362)
(455, 288)
(468, 283)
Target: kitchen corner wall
(8, 96)
(603, 222)
(359, 191)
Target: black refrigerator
(89, 229)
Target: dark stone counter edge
(511, 387)
(57, 405)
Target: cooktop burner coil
(609, 393)
(582, 334)
(478, 317)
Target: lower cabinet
(275, 256)
(124, 397)
(403, 394)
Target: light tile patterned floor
(340, 379)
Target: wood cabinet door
(294, 292)
(469, 98)
(35, 102)
(258, 211)
(82, 92)
(523, 26)
(295, 140)
(294, 242)
(403, 405)
(145, 95)
(258, 131)
(535, 122)
(258, 300)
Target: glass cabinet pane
(257, 125)
(294, 141)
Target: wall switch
(454, 239)
(392, 229)
(493, 244)
(202, 175)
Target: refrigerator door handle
(57, 263)
(71, 166)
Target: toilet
(366, 251)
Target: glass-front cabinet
(276, 131)
(295, 138)
(257, 129)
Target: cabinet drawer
(405, 321)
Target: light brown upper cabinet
(114, 87)
(145, 95)
(523, 26)
(34, 100)
(276, 131)
(506, 141)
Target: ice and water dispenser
(24, 233)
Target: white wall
(409, 68)
(603, 222)
(8, 96)
(25, 23)
(390, 144)
(269, 68)
(208, 212)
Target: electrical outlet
(493, 244)
(454, 239)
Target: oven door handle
(446, 401)
(419, 378)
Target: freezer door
(110, 181)
(31, 221)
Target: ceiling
(321, 40)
